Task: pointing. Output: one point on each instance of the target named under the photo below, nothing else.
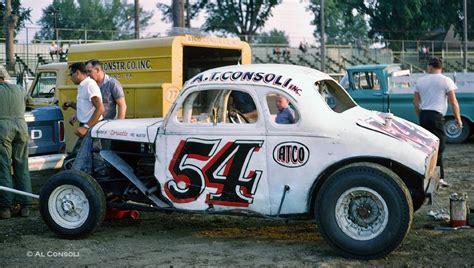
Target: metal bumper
(44, 162)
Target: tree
(344, 24)
(101, 19)
(191, 10)
(23, 14)
(408, 19)
(243, 18)
(273, 37)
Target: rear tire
(454, 134)
(364, 211)
(72, 204)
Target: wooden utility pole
(137, 20)
(188, 15)
(178, 13)
(9, 21)
(323, 39)
(465, 36)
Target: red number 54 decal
(226, 170)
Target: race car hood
(133, 130)
(400, 129)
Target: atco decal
(225, 169)
(267, 78)
(291, 154)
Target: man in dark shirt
(243, 102)
(113, 96)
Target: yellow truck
(151, 71)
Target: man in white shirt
(88, 106)
(432, 93)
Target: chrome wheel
(361, 213)
(68, 206)
(451, 130)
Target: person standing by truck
(430, 101)
(13, 148)
(113, 96)
(89, 107)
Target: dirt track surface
(209, 240)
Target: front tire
(364, 211)
(72, 204)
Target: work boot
(15, 209)
(5, 213)
(25, 212)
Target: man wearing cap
(432, 93)
(13, 148)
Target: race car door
(287, 146)
(215, 155)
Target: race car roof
(290, 78)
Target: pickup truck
(387, 88)
(359, 173)
(46, 146)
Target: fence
(412, 54)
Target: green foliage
(243, 18)
(389, 20)
(343, 23)
(24, 14)
(273, 37)
(103, 20)
(195, 8)
(408, 19)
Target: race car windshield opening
(335, 97)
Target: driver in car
(243, 103)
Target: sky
(289, 16)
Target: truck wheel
(364, 211)
(454, 134)
(72, 204)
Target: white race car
(359, 173)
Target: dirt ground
(207, 240)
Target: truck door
(366, 89)
(215, 154)
(43, 89)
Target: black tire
(72, 204)
(455, 135)
(418, 201)
(365, 189)
(68, 161)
